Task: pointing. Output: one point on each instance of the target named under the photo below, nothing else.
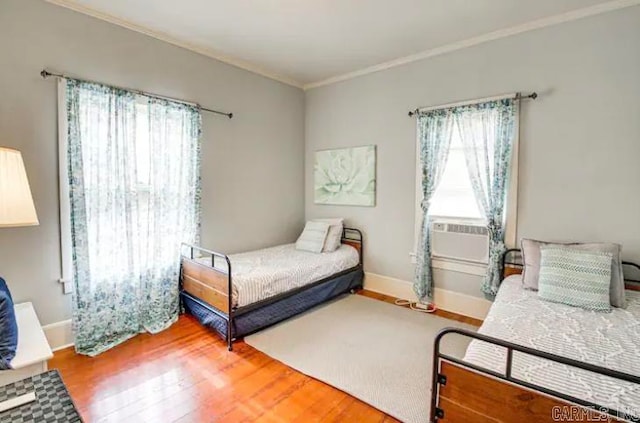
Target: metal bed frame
(350, 236)
(440, 380)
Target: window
(143, 148)
(143, 165)
(129, 183)
(454, 197)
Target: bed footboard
(464, 392)
(211, 284)
(206, 283)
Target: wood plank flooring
(185, 374)
(442, 313)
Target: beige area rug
(375, 351)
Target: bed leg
(229, 336)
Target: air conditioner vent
(467, 229)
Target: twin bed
(239, 294)
(531, 361)
(537, 361)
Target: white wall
(252, 167)
(580, 141)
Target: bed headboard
(632, 282)
(353, 237)
(512, 264)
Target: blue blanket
(8, 327)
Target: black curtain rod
(45, 74)
(517, 96)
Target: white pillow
(334, 237)
(312, 237)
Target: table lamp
(16, 209)
(16, 202)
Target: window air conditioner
(454, 241)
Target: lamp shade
(16, 203)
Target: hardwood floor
(441, 313)
(185, 374)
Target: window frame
(511, 215)
(66, 248)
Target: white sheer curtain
(488, 131)
(434, 135)
(172, 205)
(134, 198)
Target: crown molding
(72, 5)
(448, 48)
(491, 36)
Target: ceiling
(304, 42)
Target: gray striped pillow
(576, 278)
(334, 236)
(312, 237)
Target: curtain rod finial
(44, 73)
(534, 95)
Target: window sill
(460, 266)
(458, 220)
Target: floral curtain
(173, 205)
(434, 137)
(133, 166)
(488, 131)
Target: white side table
(33, 350)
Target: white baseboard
(454, 302)
(59, 334)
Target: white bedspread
(261, 274)
(610, 340)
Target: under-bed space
(239, 294)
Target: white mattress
(610, 340)
(261, 274)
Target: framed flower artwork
(346, 176)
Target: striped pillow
(312, 237)
(334, 236)
(576, 278)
